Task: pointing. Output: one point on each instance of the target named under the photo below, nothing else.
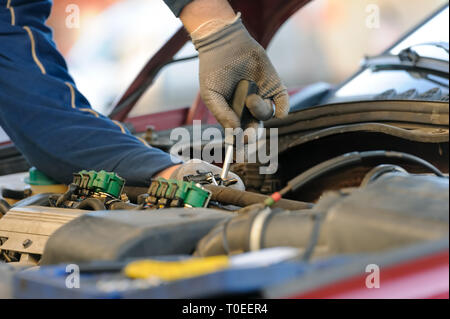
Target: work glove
(195, 166)
(228, 56)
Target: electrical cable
(345, 160)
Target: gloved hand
(228, 56)
(194, 166)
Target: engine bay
(200, 218)
(353, 191)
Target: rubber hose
(239, 198)
(292, 229)
(123, 206)
(4, 206)
(66, 196)
(91, 204)
(16, 194)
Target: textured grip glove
(229, 56)
(194, 166)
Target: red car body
(426, 276)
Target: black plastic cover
(118, 235)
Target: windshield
(435, 30)
(371, 82)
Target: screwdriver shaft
(227, 162)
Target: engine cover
(25, 230)
(118, 235)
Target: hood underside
(262, 18)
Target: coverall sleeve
(45, 115)
(177, 5)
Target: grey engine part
(394, 210)
(24, 231)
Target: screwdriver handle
(243, 90)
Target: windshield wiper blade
(409, 59)
(440, 45)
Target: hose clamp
(257, 228)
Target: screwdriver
(243, 90)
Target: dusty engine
(100, 218)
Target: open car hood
(262, 18)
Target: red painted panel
(426, 277)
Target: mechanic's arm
(48, 119)
(228, 54)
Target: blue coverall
(47, 118)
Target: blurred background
(325, 41)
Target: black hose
(91, 204)
(4, 206)
(286, 228)
(230, 196)
(16, 194)
(351, 159)
(67, 195)
(123, 206)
